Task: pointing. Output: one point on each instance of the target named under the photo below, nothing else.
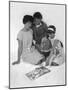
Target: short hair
(37, 15)
(27, 18)
(53, 29)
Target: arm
(20, 48)
(34, 42)
(50, 58)
(45, 26)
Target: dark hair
(27, 18)
(54, 29)
(37, 15)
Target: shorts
(46, 54)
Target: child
(39, 28)
(44, 48)
(25, 37)
(27, 21)
(56, 56)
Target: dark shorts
(46, 54)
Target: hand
(34, 41)
(33, 48)
(16, 62)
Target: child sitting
(56, 56)
(25, 37)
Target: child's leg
(49, 59)
(41, 61)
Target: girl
(56, 56)
(25, 37)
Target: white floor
(19, 79)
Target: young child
(56, 56)
(22, 43)
(25, 50)
(39, 28)
(44, 48)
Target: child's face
(28, 24)
(52, 35)
(37, 21)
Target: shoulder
(56, 42)
(44, 24)
(21, 31)
(20, 34)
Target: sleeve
(20, 36)
(45, 26)
(55, 43)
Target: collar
(38, 25)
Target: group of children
(36, 43)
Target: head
(51, 31)
(37, 18)
(27, 21)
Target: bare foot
(16, 62)
(54, 64)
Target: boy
(39, 28)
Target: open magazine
(37, 72)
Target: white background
(52, 15)
(4, 47)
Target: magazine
(37, 72)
